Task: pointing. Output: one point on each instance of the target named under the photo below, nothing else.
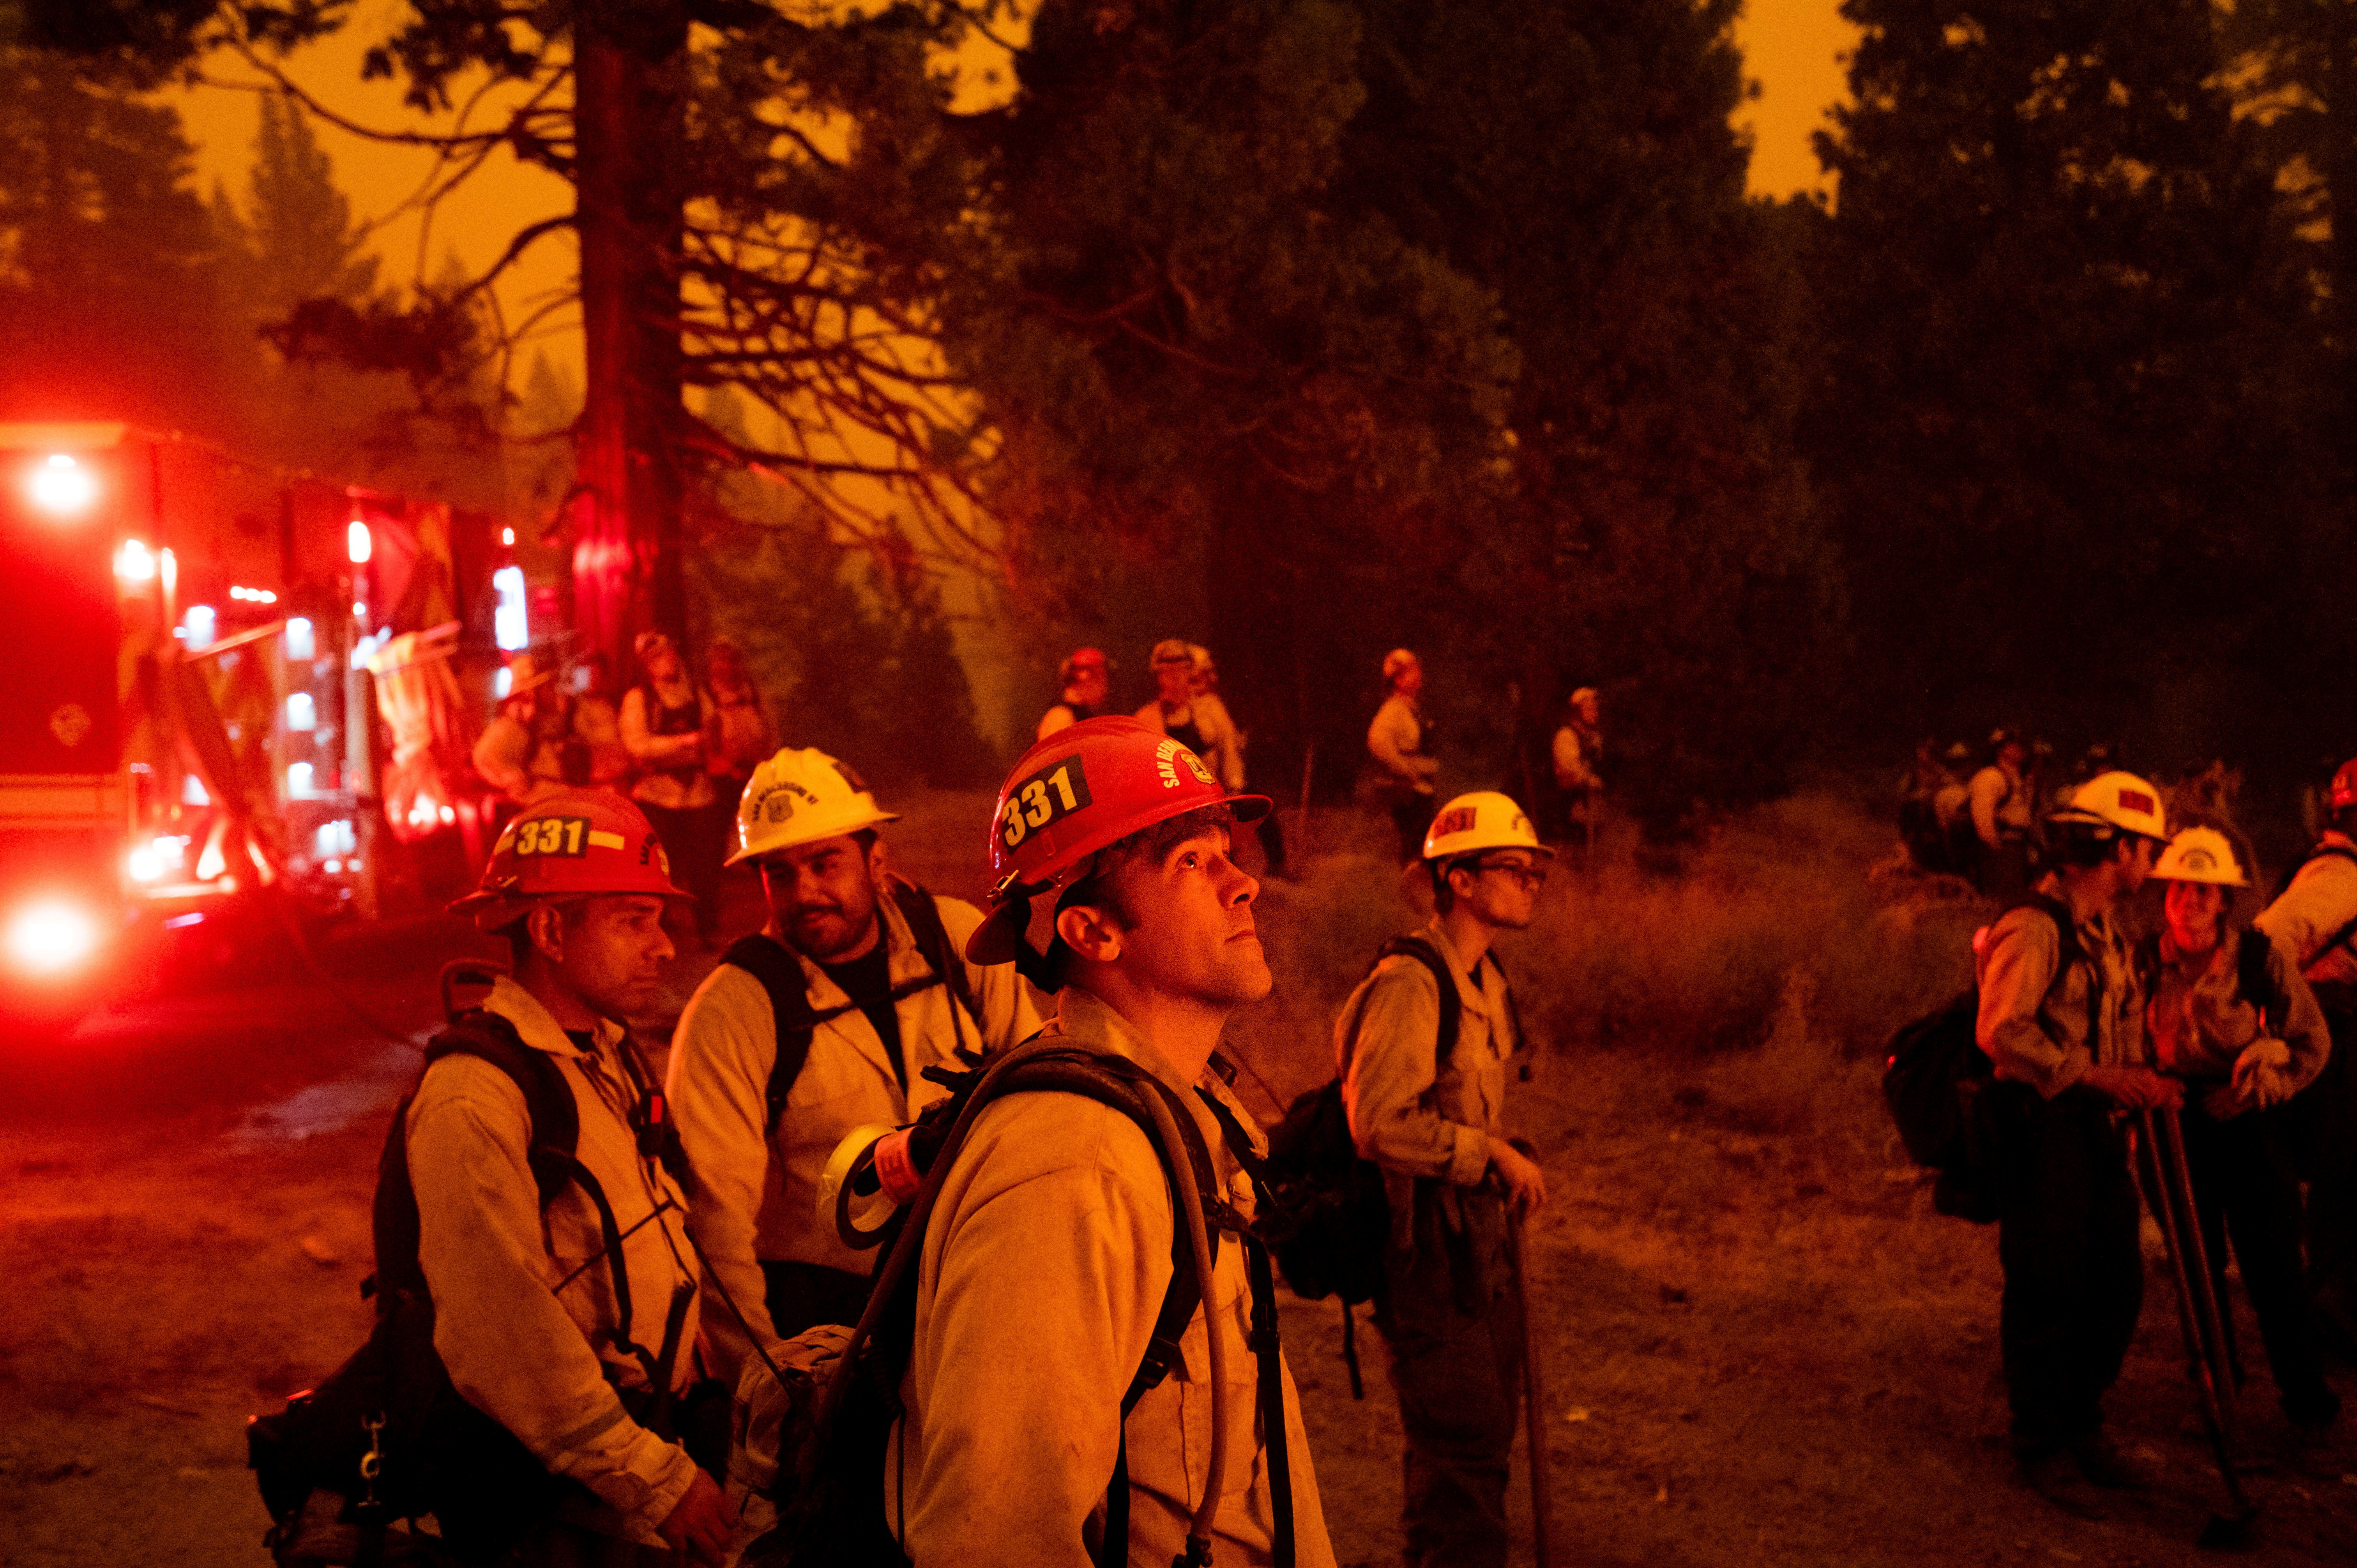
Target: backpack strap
(552, 1137)
(923, 914)
(781, 974)
(2070, 950)
(1452, 1006)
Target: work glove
(2263, 1074)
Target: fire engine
(201, 642)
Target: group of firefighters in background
(2222, 1023)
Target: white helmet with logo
(2201, 855)
(2121, 801)
(800, 796)
(1482, 819)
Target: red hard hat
(570, 846)
(2344, 786)
(1087, 785)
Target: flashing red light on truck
(61, 486)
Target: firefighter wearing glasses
(1430, 1113)
(822, 1022)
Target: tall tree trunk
(629, 60)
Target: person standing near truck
(1424, 1082)
(531, 1314)
(664, 720)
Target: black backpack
(780, 975)
(1327, 1221)
(1934, 1078)
(386, 1430)
(831, 1505)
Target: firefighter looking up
(858, 978)
(2316, 916)
(2231, 1016)
(1048, 1254)
(664, 721)
(526, 1313)
(2061, 1017)
(1435, 1128)
(1400, 741)
(2003, 810)
(543, 741)
(1087, 676)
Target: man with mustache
(822, 1023)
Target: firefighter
(2316, 916)
(2003, 810)
(861, 974)
(544, 741)
(1577, 755)
(664, 721)
(1194, 718)
(527, 1315)
(1048, 1251)
(2065, 1026)
(1087, 676)
(1435, 1129)
(741, 733)
(1400, 742)
(2229, 1015)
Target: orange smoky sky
(1793, 49)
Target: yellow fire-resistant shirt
(2044, 1032)
(1043, 1268)
(757, 1186)
(1409, 1115)
(2320, 901)
(519, 1311)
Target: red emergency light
(62, 487)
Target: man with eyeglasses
(1424, 1079)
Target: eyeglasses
(1522, 871)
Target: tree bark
(629, 122)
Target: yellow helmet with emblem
(2201, 855)
(799, 797)
(1481, 820)
(2121, 801)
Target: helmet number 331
(1040, 799)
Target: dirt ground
(1761, 1346)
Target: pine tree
(305, 244)
(2057, 431)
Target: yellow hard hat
(800, 796)
(2201, 855)
(2118, 800)
(1482, 819)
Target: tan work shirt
(1999, 802)
(2044, 1032)
(2320, 899)
(757, 1186)
(658, 755)
(1409, 1115)
(1043, 1272)
(527, 768)
(519, 1311)
(1395, 740)
(2199, 1021)
(1573, 769)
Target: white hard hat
(1482, 819)
(2201, 855)
(2117, 801)
(801, 797)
